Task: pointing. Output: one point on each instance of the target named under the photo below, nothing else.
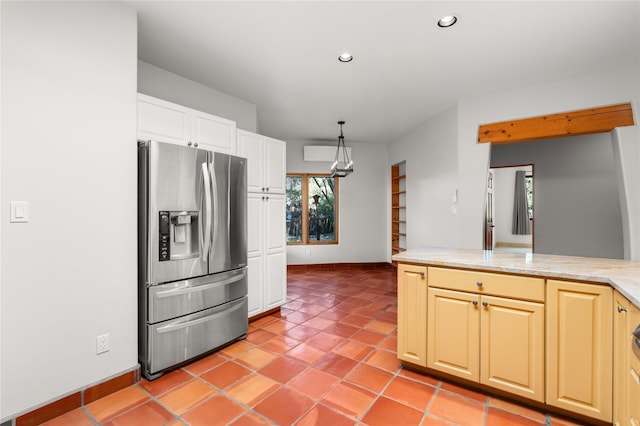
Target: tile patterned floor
(327, 358)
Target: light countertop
(623, 275)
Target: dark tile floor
(327, 358)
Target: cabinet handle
(479, 283)
(621, 309)
(422, 274)
(475, 302)
(485, 304)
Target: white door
(213, 133)
(162, 121)
(250, 146)
(275, 165)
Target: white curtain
(520, 225)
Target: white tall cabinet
(266, 220)
(168, 122)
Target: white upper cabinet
(168, 122)
(267, 162)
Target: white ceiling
(282, 56)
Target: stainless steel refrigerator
(192, 288)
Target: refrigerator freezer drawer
(180, 298)
(176, 341)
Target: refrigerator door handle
(214, 184)
(173, 327)
(205, 240)
(180, 291)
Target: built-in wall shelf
(398, 209)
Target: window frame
(304, 238)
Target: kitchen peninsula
(552, 330)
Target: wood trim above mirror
(581, 122)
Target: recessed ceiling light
(345, 57)
(447, 21)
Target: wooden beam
(586, 121)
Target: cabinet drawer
(513, 286)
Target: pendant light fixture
(342, 158)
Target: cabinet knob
(189, 143)
(422, 274)
(263, 189)
(267, 189)
(195, 144)
(485, 304)
(475, 302)
(479, 283)
(621, 309)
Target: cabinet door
(512, 346)
(255, 227)
(162, 121)
(213, 133)
(255, 285)
(621, 360)
(275, 165)
(453, 339)
(633, 370)
(275, 225)
(275, 284)
(250, 146)
(412, 314)
(580, 348)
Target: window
(312, 209)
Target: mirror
(577, 206)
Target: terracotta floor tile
(333, 314)
(390, 317)
(408, 392)
(385, 412)
(297, 317)
(367, 312)
(517, 409)
(251, 419)
(252, 389)
(380, 327)
(369, 377)
(383, 359)
(225, 374)
(496, 417)
(182, 399)
(335, 364)
(149, 414)
(236, 349)
(204, 364)
(272, 406)
(325, 341)
(220, 408)
(457, 409)
(349, 399)
(429, 420)
(357, 320)
(353, 349)
(342, 330)
(261, 322)
(313, 383)
(390, 344)
(405, 372)
(318, 323)
(306, 353)
(75, 417)
(323, 416)
(368, 337)
(260, 336)
(255, 358)
(300, 332)
(279, 326)
(464, 391)
(110, 406)
(280, 344)
(282, 369)
(166, 382)
(561, 421)
(312, 309)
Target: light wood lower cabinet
(495, 341)
(626, 364)
(412, 314)
(579, 348)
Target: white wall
(68, 148)
(157, 82)
(364, 232)
(607, 87)
(504, 180)
(430, 152)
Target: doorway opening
(509, 209)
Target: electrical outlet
(102, 344)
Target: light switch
(19, 211)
